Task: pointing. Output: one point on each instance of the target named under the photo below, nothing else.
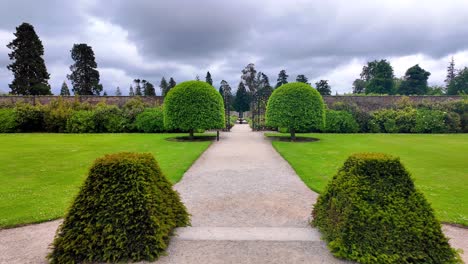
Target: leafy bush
(7, 120)
(108, 118)
(340, 122)
(81, 122)
(56, 114)
(393, 121)
(193, 104)
(29, 118)
(296, 106)
(125, 211)
(362, 117)
(151, 120)
(430, 121)
(371, 213)
(232, 120)
(131, 109)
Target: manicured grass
(438, 163)
(40, 173)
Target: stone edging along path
(247, 205)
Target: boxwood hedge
(371, 213)
(125, 211)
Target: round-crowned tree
(193, 105)
(296, 106)
(125, 211)
(371, 212)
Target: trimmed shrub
(151, 120)
(7, 120)
(131, 109)
(81, 122)
(193, 105)
(430, 121)
(393, 121)
(296, 106)
(108, 119)
(371, 213)
(361, 117)
(125, 211)
(29, 118)
(340, 122)
(56, 114)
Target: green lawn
(438, 164)
(41, 173)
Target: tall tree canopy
(163, 85)
(171, 84)
(148, 88)
(323, 87)
(242, 100)
(137, 87)
(208, 78)
(64, 91)
(282, 78)
(459, 84)
(302, 78)
(379, 77)
(118, 92)
(131, 92)
(248, 77)
(415, 81)
(451, 72)
(84, 74)
(28, 67)
(359, 86)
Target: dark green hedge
(151, 120)
(296, 106)
(340, 122)
(371, 213)
(193, 105)
(125, 211)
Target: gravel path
(247, 206)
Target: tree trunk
(191, 134)
(293, 134)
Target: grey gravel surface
(247, 206)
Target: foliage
(459, 84)
(323, 87)
(242, 100)
(302, 78)
(193, 104)
(282, 78)
(108, 119)
(148, 88)
(7, 120)
(248, 77)
(172, 83)
(84, 75)
(131, 109)
(56, 114)
(296, 106)
(415, 81)
(118, 92)
(451, 72)
(359, 86)
(208, 78)
(371, 212)
(362, 117)
(340, 122)
(379, 77)
(30, 76)
(81, 121)
(126, 210)
(151, 120)
(430, 121)
(29, 118)
(164, 86)
(64, 91)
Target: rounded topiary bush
(125, 211)
(297, 107)
(371, 213)
(193, 105)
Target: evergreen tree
(248, 77)
(226, 93)
(415, 81)
(28, 67)
(208, 78)
(451, 73)
(85, 76)
(137, 87)
(459, 84)
(148, 88)
(64, 91)
(302, 78)
(359, 86)
(282, 78)
(323, 87)
(379, 77)
(118, 92)
(171, 84)
(104, 94)
(164, 86)
(242, 100)
(131, 92)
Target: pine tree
(84, 76)
(137, 87)
(148, 88)
(282, 78)
(302, 78)
(64, 91)
(131, 92)
(242, 100)
(415, 81)
(118, 92)
(323, 87)
(28, 66)
(208, 78)
(171, 84)
(163, 85)
(451, 73)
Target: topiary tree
(371, 212)
(193, 105)
(125, 211)
(296, 106)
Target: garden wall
(368, 103)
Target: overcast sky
(322, 39)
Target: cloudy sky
(322, 39)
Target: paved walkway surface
(247, 206)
